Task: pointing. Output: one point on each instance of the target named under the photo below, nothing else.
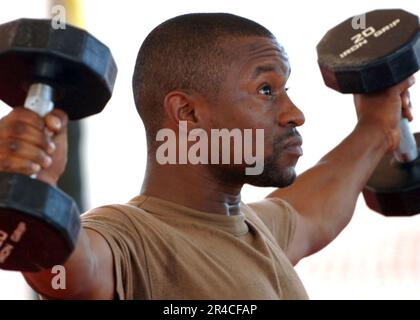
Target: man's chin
(274, 178)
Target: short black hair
(188, 53)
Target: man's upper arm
(300, 243)
(87, 274)
(100, 285)
(121, 227)
(103, 286)
(109, 235)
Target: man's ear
(180, 106)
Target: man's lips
(294, 146)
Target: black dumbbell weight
(382, 54)
(40, 68)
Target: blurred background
(373, 258)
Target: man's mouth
(293, 146)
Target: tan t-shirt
(163, 250)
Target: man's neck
(193, 187)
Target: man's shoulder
(267, 211)
(123, 216)
(276, 215)
(116, 210)
(267, 206)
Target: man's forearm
(327, 193)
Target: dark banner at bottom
(220, 310)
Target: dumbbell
(385, 52)
(42, 67)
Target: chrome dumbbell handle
(407, 150)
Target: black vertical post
(71, 181)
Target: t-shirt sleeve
(279, 217)
(115, 227)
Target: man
(188, 235)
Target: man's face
(253, 96)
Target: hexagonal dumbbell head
(365, 60)
(78, 66)
(394, 188)
(39, 224)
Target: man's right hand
(30, 144)
(384, 110)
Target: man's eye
(265, 90)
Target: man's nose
(290, 115)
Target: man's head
(217, 70)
